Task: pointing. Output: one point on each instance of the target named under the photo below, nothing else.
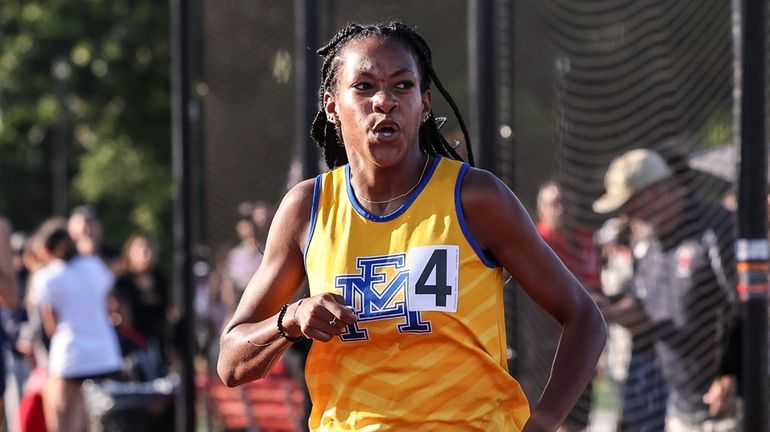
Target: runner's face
(377, 103)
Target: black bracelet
(282, 330)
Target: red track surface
(272, 404)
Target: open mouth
(385, 132)
(385, 129)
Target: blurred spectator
(218, 303)
(576, 248)
(32, 341)
(262, 216)
(205, 333)
(683, 285)
(83, 346)
(86, 230)
(18, 367)
(632, 363)
(7, 296)
(244, 259)
(19, 242)
(143, 307)
(8, 290)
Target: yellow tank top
(428, 351)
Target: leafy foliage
(94, 73)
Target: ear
(426, 102)
(330, 107)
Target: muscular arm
(501, 225)
(250, 342)
(274, 283)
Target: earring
(425, 118)
(330, 118)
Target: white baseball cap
(628, 174)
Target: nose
(384, 102)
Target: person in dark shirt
(683, 283)
(142, 294)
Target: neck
(383, 189)
(86, 247)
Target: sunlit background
(85, 111)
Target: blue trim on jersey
(399, 211)
(313, 212)
(464, 226)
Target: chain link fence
(579, 83)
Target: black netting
(580, 83)
(249, 108)
(620, 75)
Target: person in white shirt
(73, 305)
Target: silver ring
(333, 321)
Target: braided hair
(328, 135)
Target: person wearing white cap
(629, 174)
(683, 286)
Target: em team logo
(401, 286)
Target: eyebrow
(396, 73)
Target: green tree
(110, 103)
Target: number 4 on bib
(433, 278)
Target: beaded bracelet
(282, 330)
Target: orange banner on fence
(753, 266)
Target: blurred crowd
(661, 268)
(662, 271)
(221, 286)
(74, 310)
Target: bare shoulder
(479, 183)
(491, 209)
(300, 197)
(293, 215)
(483, 192)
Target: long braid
(328, 135)
(419, 43)
(456, 111)
(323, 131)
